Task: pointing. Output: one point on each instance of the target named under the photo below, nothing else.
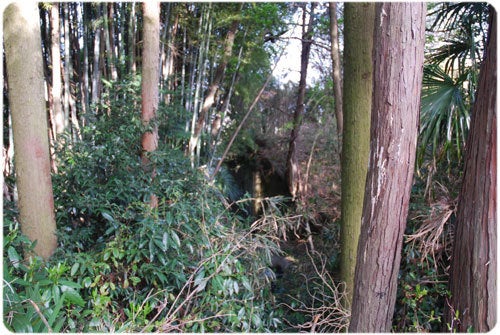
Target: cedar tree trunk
(397, 78)
(21, 27)
(474, 261)
(150, 81)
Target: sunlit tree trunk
(292, 164)
(113, 51)
(108, 23)
(398, 67)
(358, 72)
(96, 73)
(210, 95)
(84, 81)
(69, 100)
(131, 39)
(336, 76)
(21, 27)
(473, 303)
(121, 47)
(205, 22)
(150, 81)
(58, 120)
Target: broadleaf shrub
(188, 265)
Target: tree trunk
(204, 29)
(336, 77)
(21, 27)
(292, 165)
(474, 261)
(113, 51)
(358, 67)
(398, 65)
(107, 26)
(131, 39)
(150, 81)
(85, 87)
(213, 88)
(96, 73)
(69, 101)
(56, 71)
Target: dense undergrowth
(188, 265)
(192, 264)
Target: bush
(188, 265)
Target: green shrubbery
(188, 265)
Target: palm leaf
(444, 116)
(453, 15)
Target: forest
(249, 167)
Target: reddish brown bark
(398, 63)
(21, 27)
(149, 85)
(474, 260)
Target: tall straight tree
(359, 20)
(474, 261)
(23, 53)
(397, 78)
(335, 55)
(57, 113)
(96, 72)
(210, 95)
(149, 85)
(292, 164)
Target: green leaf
(57, 327)
(108, 217)
(176, 238)
(116, 253)
(56, 310)
(14, 257)
(74, 297)
(256, 320)
(135, 280)
(74, 268)
(86, 282)
(66, 284)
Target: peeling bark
(398, 67)
(474, 260)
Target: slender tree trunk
(214, 87)
(292, 164)
(122, 37)
(131, 41)
(336, 76)
(58, 121)
(108, 22)
(150, 81)
(358, 72)
(66, 72)
(96, 73)
(474, 262)
(205, 21)
(218, 122)
(69, 101)
(398, 67)
(85, 86)
(113, 51)
(21, 27)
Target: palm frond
(444, 115)
(450, 16)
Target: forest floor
(318, 156)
